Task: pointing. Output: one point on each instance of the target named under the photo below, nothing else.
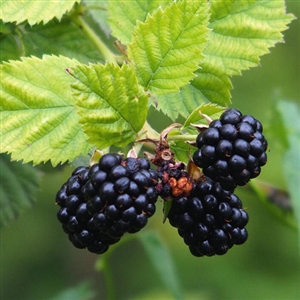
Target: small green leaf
(37, 114)
(283, 214)
(18, 186)
(112, 106)
(166, 209)
(213, 85)
(123, 15)
(167, 52)
(161, 259)
(182, 103)
(33, 11)
(291, 161)
(202, 90)
(178, 138)
(211, 110)
(182, 151)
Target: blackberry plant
(76, 77)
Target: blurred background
(38, 262)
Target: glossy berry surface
(211, 220)
(99, 204)
(232, 150)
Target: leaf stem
(88, 31)
(96, 7)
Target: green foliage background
(38, 262)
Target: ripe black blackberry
(74, 217)
(232, 150)
(211, 220)
(110, 198)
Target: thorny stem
(103, 49)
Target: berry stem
(182, 137)
(105, 267)
(88, 31)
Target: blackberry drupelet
(231, 150)
(210, 220)
(101, 203)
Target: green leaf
(211, 110)
(9, 47)
(213, 85)
(178, 138)
(191, 96)
(34, 11)
(18, 186)
(161, 259)
(167, 52)
(291, 161)
(182, 103)
(58, 38)
(241, 32)
(267, 194)
(112, 106)
(37, 114)
(123, 15)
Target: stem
(88, 31)
(183, 137)
(96, 7)
(102, 265)
(108, 278)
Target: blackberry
(98, 205)
(210, 220)
(231, 150)
(75, 218)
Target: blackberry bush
(231, 150)
(210, 220)
(101, 203)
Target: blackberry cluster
(232, 150)
(98, 205)
(211, 220)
